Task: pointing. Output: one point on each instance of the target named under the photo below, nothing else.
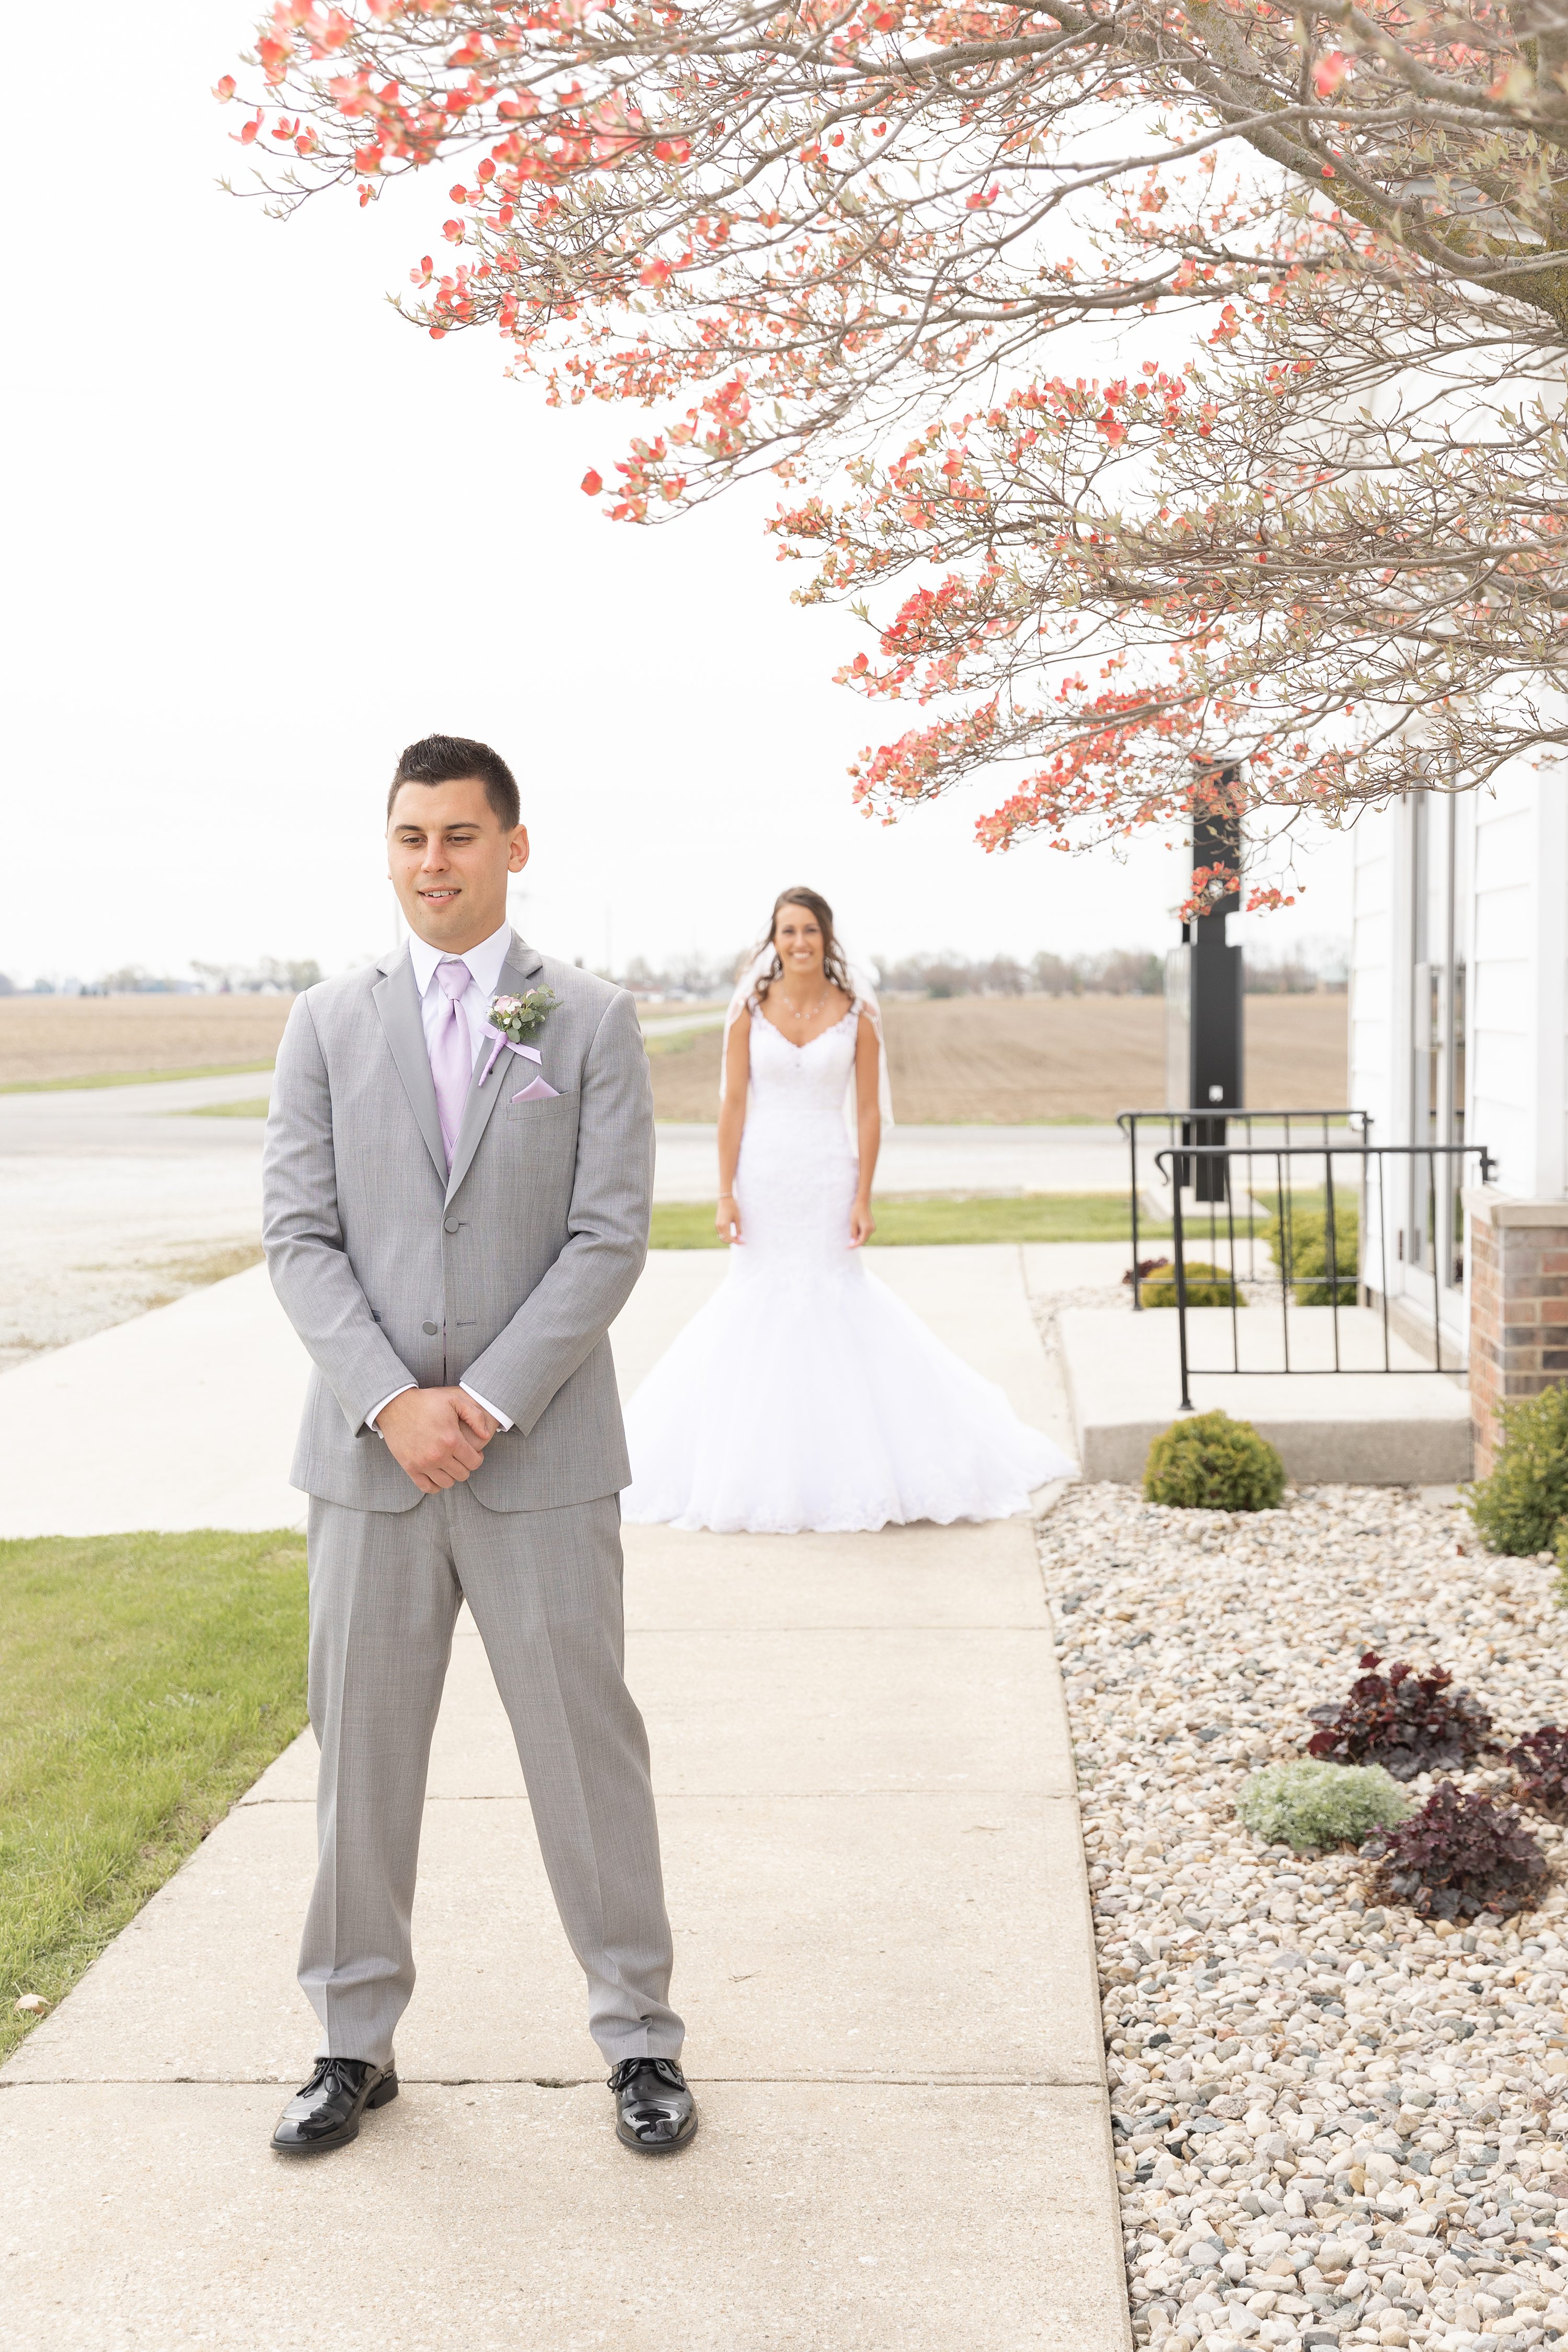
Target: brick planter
(1519, 1306)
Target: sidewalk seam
(914, 2082)
(1103, 2086)
(729, 1796)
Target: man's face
(449, 855)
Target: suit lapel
(520, 966)
(397, 1002)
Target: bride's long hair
(835, 967)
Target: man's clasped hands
(438, 1435)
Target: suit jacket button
(430, 1330)
(452, 1225)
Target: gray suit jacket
(508, 1273)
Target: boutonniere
(515, 1019)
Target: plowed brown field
(1010, 1060)
(53, 1037)
(995, 1060)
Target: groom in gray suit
(453, 1219)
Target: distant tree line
(1110, 972)
(270, 977)
(1113, 971)
(1296, 975)
(687, 976)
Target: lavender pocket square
(538, 1092)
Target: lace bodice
(802, 1086)
(794, 1180)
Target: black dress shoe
(326, 2113)
(654, 2110)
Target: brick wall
(1518, 1306)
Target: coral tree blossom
(1310, 520)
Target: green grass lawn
(145, 1680)
(254, 1106)
(677, 1041)
(910, 1217)
(132, 1078)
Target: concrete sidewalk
(84, 1430)
(115, 1198)
(884, 1955)
(182, 1418)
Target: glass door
(1436, 1230)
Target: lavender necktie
(451, 1051)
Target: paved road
(115, 1199)
(108, 1205)
(677, 1024)
(936, 1160)
(876, 1881)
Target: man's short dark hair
(446, 759)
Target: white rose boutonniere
(515, 1019)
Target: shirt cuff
(371, 1418)
(494, 1410)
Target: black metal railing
(1206, 1133)
(1317, 1236)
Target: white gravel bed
(1336, 2124)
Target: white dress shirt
(484, 964)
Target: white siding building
(1460, 1034)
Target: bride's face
(797, 936)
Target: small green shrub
(1213, 1463)
(1521, 1505)
(1207, 1285)
(1303, 1804)
(1559, 1553)
(1311, 1285)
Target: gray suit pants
(545, 1590)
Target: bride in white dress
(805, 1394)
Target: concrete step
(1407, 1427)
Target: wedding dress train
(805, 1394)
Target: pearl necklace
(811, 1013)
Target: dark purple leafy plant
(1457, 1856)
(1539, 1762)
(1407, 1722)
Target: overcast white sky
(261, 534)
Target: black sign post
(1203, 1001)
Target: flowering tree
(1317, 532)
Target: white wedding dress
(804, 1394)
